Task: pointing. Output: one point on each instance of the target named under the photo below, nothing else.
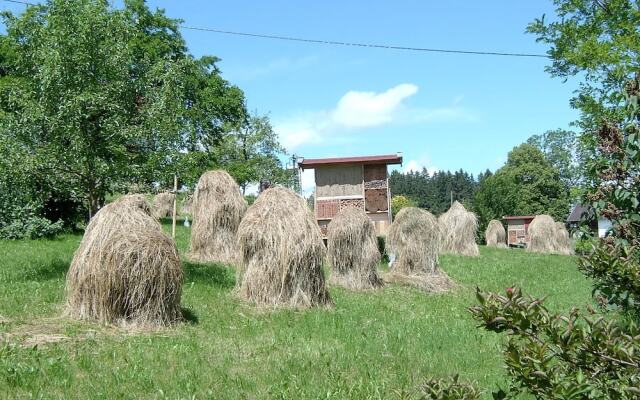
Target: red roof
(310, 163)
(519, 217)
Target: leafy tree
(563, 150)
(598, 40)
(615, 261)
(399, 202)
(101, 97)
(527, 184)
(251, 153)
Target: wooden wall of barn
(339, 181)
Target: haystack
(126, 269)
(217, 210)
(564, 245)
(352, 250)
(163, 205)
(547, 236)
(415, 240)
(281, 253)
(495, 234)
(459, 228)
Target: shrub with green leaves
(554, 356)
(449, 389)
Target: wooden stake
(175, 205)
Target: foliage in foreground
(449, 389)
(615, 261)
(554, 356)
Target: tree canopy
(526, 185)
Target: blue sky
(443, 111)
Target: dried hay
(352, 250)
(545, 236)
(563, 239)
(459, 228)
(217, 209)
(163, 205)
(126, 269)
(415, 240)
(495, 234)
(281, 253)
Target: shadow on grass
(189, 316)
(209, 274)
(41, 272)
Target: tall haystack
(563, 239)
(547, 236)
(415, 240)
(163, 205)
(126, 269)
(459, 228)
(495, 234)
(281, 253)
(217, 209)
(352, 250)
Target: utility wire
(369, 45)
(341, 43)
(20, 2)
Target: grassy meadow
(377, 345)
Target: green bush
(555, 356)
(449, 389)
(382, 248)
(25, 223)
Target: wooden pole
(175, 205)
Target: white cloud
(354, 110)
(357, 110)
(366, 109)
(419, 165)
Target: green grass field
(371, 345)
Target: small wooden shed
(518, 229)
(352, 182)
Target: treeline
(542, 176)
(436, 191)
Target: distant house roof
(310, 163)
(581, 212)
(511, 217)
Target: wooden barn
(352, 181)
(518, 230)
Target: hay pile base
(217, 209)
(459, 228)
(495, 235)
(352, 250)
(126, 269)
(163, 205)
(281, 253)
(545, 236)
(415, 240)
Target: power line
(341, 43)
(369, 45)
(20, 2)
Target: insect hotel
(361, 182)
(518, 230)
